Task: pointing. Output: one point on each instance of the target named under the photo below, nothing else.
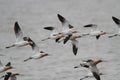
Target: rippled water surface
(33, 15)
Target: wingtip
(116, 20)
(16, 23)
(89, 25)
(75, 50)
(61, 18)
(49, 28)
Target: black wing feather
(75, 49)
(67, 38)
(96, 76)
(49, 28)
(116, 20)
(7, 76)
(16, 28)
(97, 37)
(61, 18)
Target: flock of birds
(68, 33)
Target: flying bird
(91, 66)
(67, 29)
(20, 39)
(94, 32)
(10, 76)
(6, 67)
(37, 54)
(54, 34)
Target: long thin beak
(44, 39)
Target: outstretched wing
(92, 26)
(49, 28)
(64, 22)
(116, 20)
(18, 32)
(97, 76)
(75, 46)
(35, 47)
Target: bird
(37, 53)
(91, 66)
(10, 75)
(20, 39)
(7, 76)
(94, 32)
(54, 34)
(117, 21)
(67, 29)
(6, 67)
(74, 41)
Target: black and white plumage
(10, 76)
(67, 28)
(92, 68)
(54, 34)
(5, 67)
(36, 52)
(94, 32)
(20, 39)
(117, 21)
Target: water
(33, 15)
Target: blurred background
(34, 15)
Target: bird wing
(75, 46)
(92, 26)
(18, 32)
(67, 38)
(64, 22)
(116, 20)
(97, 76)
(35, 47)
(51, 28)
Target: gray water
(33, 15)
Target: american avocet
(68, 29)
(20, 40)
(54, 35)
(117, 21)
(37, 53)
(6, 67)
(74, 41)
(95, 32)
(93, 70)
(11, 76)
